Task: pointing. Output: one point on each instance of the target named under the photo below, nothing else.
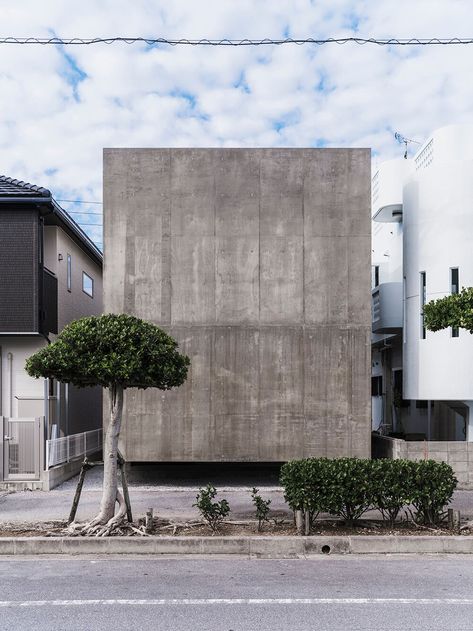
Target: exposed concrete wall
(258, 262)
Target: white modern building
(422, 249)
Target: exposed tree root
(101, 525)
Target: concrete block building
(258, 262)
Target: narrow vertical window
(454, 289)
(376, 275)
(87, 285)
(423, 282)
(69, 272)
(404, 309)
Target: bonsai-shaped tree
(454, 311)
(115, 352)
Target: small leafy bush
(392, 487)
(261, 507)
(432, 486)
(212, 512)
(307, 485)
(351, 488)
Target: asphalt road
(230, 594)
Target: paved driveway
(170, 498)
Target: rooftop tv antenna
(405, 141)
(402, 140)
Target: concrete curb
(261, 547)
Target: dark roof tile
(16, 188)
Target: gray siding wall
(85, 404)
(19, 269)
(258, 262)
(75, 303)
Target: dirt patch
(43, 529)
(321, 528)
(165, 528)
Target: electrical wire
(150, 41)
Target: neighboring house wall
(257, 261)
(27, 394)
(438, 231)
(72, 409)
(84, 405)
(74, 303)
(434, 193)
(19, 270)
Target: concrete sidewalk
(171, 499)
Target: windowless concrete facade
(258, 262)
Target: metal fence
(60, 450)
(20, 448)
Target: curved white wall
(438, 235)
(387, 190)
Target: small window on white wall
(375, 276)
(87, 285)
(69, 272)
(455, 289)
(423, 300)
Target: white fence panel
(67, 448)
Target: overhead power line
(80, 41)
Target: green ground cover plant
(212, 512)
(261, 508)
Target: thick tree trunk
(110, 452)
(106, 520)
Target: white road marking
(236, 601)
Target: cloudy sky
(59, 106)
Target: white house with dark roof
(50, 274)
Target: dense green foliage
(351, 488)
(451, 311)
(261, 508)
(307, 485)
(432, 485)
(112, 349)
(212, 512)
(348, 487)
(392, 488)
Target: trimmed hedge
(348, 487)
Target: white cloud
(60, 107)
